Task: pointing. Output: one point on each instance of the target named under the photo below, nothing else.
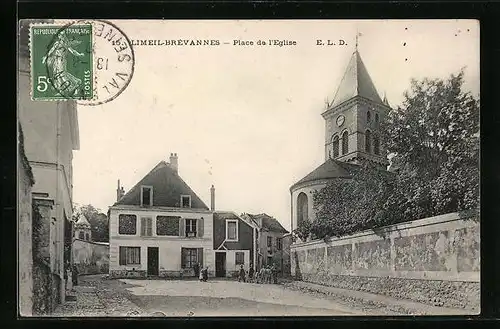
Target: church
(352, 123)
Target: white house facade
(160, 228)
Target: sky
(247, 119)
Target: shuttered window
(239, 258)
(191, 256)
(146, 226)
(191, 228)
(279, 243)
(127, 224)
(130, 255)
(167, 225)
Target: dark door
(153, 261)
(220, 264)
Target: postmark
(103, 64)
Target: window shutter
(183, 257)
(143, 226)
(122, 256)
(200, 256)
(150, 226)
(182, 223)
(200, 227)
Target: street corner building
(160, 227)
(271, 240)
(352, 123)
(233, 244)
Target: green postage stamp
(61, 62)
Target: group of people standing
(201, 274)
(267, 274)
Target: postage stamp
(88, 61)
(62, 62)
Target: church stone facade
(352, 123)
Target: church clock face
(340, 120)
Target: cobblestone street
(97, 296)
(108, 298)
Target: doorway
(220, 264)
(152, 261)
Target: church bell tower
(353, 118)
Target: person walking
(274, 273)
(196, 269)
(250, 274)
(241, 276)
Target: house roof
(329, 169)
(225, 215)
(168, 187)
(356, 82)
(269, 223)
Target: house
(269, 240)
(352, 137)
(51, 134)
(234, 243)
(160, 227)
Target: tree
(346, 206)
(435, 135)
(99, 224)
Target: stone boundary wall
(91, 257)
(434, 260)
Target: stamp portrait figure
(57, 61)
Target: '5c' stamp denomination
(61, 62)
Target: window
(345, 142)
(239, 258)
(185, 201)
(146, 196)
(190, 257)
(376, 145)
(127, 224)
(167, 225)
(87, 237)
(232, 230)
(302, 208)
(376, 118)
(81, 235)
(130, 255)
(335, 146)
(146, 226)
(190, 227)
(279, 243)
(269, 260)
(368, 116)
(269, 241)
(368, 141)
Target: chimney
(174, 163)
(212, 198)
(120, 191)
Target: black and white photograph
(248, 168)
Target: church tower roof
(356, 82)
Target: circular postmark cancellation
(90, 61)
